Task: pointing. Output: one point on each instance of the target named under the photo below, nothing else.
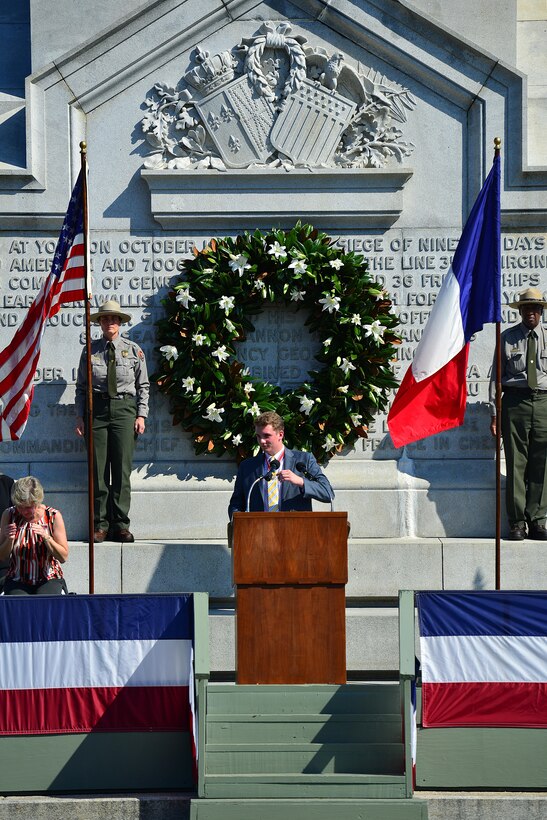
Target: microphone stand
(274, 465)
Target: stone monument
(376, 126)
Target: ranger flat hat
(530, 296)
(110, 308)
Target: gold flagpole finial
(83, 146)
(497, 145)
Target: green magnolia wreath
(211, 308)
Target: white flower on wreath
(170, 352)
(237, 439)
(299, 265)
(248, 389)
(277, 250)
(208, 270)
(261, 286)
(343, 389)
(188, 384)
(376, 330)
(356, 319)
(327, 342)
(227, 303)
(183, 296)
(230, 327)
(374, 392)
(297, 295)
(239, 264)
(330, 303)
(214, 413)
(221, 353)
(306, 405)
(346, 366)
(254, 410)
(198, 339)
(329, 443)
(336, 264)
(356, 419)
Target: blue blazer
(292, 497)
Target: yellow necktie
(273, 493)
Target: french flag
(484, 658)
(432, 395)
(96, 663)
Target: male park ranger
(524, 417)
(120, 407)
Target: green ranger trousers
(113, 446)
(524, 431)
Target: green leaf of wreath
(211, 307)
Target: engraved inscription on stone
(138, 271)
(281, 350)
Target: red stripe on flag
(65, 283)
(64, 711)
(484, 704)
(432, 405)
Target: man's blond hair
(269, 417)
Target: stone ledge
(441, 806)
(333, 197)
(378, 567)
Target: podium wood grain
(290, 571)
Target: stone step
(378, 567)
(443, 805)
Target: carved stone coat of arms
(272, 101)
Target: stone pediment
(83, 89)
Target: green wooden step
(306, 699)
(331, 785)
(311, 758)
(303, 728)
(323, 809)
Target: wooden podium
(290, 570)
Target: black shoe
(99, 536)
(538, 532)
(124, 536)
(517, 533)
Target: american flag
(65, 283)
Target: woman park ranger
(120, 406)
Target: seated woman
(33, 537)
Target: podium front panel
(291, 634)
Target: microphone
(274, 466)
(301, 467)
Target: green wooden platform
(106, 761)
(296, 741)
